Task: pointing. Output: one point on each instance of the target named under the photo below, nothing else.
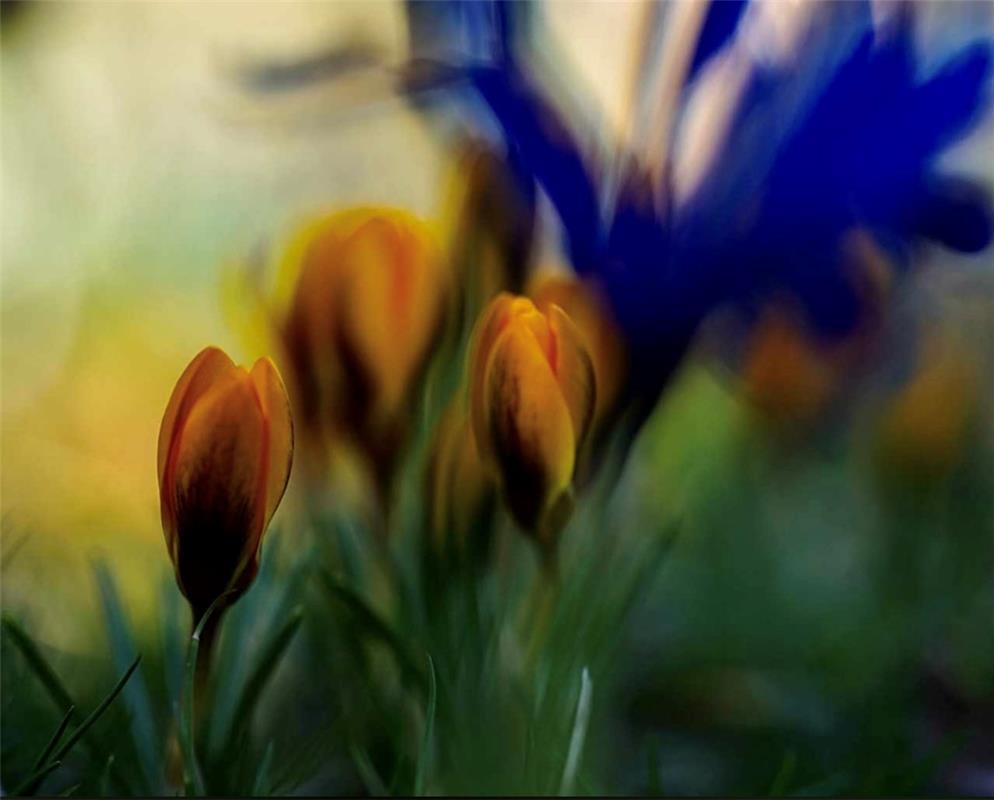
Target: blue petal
(719, 26)
(548, 150)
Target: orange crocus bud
(587, 308)
(532, 398)
(225, 449)
(461, 491)
(368, 306)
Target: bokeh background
(137, 164)
(140, 161)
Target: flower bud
(532, 399)
(225, 449)
(461, 491)
(367, 308)
(588, 310)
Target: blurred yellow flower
(532, 399)
(224, 456)
(588, 310)
(366, 309)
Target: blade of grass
(37, 663)
(97, 712)
(54, 741)
(303, 762)
(372, 623)
(580, 720)
(55, 688)
(270, 659)
(259, 786)
(105, 774)
(367, 772)
(173, 637)
(30, 783)
(424, 757)
(136, 697)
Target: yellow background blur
(136, 167)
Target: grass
(793, 632)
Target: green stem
(208, 639)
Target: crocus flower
(367, 307)
(532, 399)
(586, 306)
(225, 450)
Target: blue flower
(844, 136)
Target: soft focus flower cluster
(780, 180)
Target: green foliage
(783, 629)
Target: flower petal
(591, 314)
(206, 368)
(574, 372)
(529, 425)
(491, 323)
(395, 289)
(208, 365)
(279, 425)
(217, 474)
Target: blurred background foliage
(822, 621)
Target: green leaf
(105, 774)
(30, 783)
(272, 653)
(302, 762)
(37, 662)
(192, 777)
(173, 639)
(64, 749)
(580, 720)
(371, 623)
(424, 757)
(367, 772)
(54, 741)
(259, 787)
(56, 689)
(136, 696)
